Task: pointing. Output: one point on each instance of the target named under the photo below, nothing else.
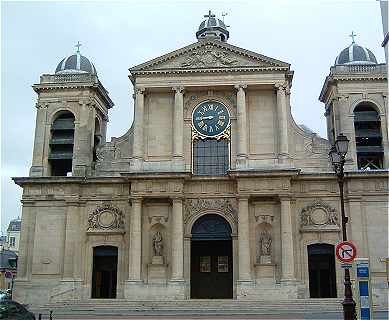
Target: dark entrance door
(211, 259)
(104, 276)
(322, 275)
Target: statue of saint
(157, 244)
(265, 243)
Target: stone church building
(214, 191)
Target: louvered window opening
(368, 138)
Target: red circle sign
(346, 251)
(8, 275)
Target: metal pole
(348, 302)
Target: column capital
(243, 197)
(135, 199)
(177, 198)
(281, 86)
(240, 86)
(285, 197)
(139, 90)
(178, 89)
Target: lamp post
(337, 156)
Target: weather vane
(223, 15)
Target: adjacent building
(13, 235)
(214, 191)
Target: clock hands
(206, 118)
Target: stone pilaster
(287, 244)
(38, 163)
(72, 223)
(178, 123)
(242, 126)
(83, 139)
(138, 144)
(135, 262)
(177, 241)
(26, 243)
(282, 119)
(244, 240)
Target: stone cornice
(211, 70)
(22, 181)
(52, 82)
(274, 172)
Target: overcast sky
(35, 36)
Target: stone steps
(193, 307)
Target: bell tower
(355, 97)
(72, 115)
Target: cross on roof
(78, 45)
(209, 15)
(352, 35)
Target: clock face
(210, 118)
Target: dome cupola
(75, 63)
(355, 54)
(213, 28)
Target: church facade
(214, 191)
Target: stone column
(177, 240)
(71, 226)
(244, 240)
(138, 144)
(287, 253)
(282, 118)
(135, 263)
(37, 168)
(178, 123)
(242, 126)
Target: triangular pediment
(210, 54)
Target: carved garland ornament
(225, 206)
(106, 217)
(319, 215)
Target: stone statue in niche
(265, 242)
(158, 244)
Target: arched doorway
(211, 258)
(322, 275)
(104, 275)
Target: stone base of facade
(268, 290)
(139, 290)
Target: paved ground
(321, 316)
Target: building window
(368, 137)
(12, 241)
(61, 144)
(211, 157)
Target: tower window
(368, 138)
(61, 144)
(211, 157)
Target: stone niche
(264, 235)
(157, 242)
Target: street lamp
(337, 157)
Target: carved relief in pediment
(106, 218)
(319, 216)
(209, 57)
(227, 207)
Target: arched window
(211, 157)
(97, 138)
(368, 137)
(61, 144)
